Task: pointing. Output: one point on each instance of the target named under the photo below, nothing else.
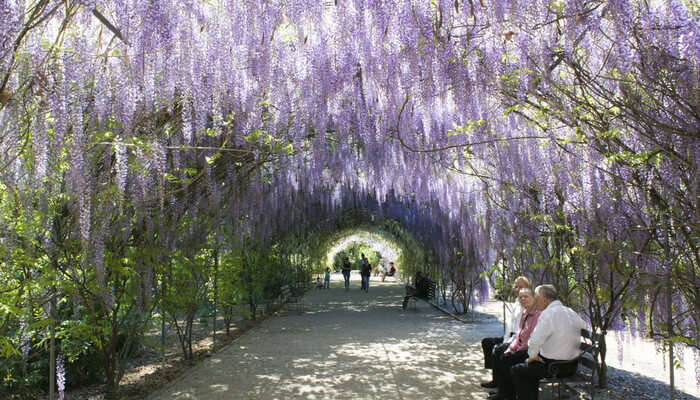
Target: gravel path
(356, 345)
(347, 345)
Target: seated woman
(391, 272)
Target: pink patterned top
(527, 325)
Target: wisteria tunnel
(174, 166)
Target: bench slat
(589, 348)
(593, 337)
(588, 363)
(289, 298)
(429, 296)
(431, 289)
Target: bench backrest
(590, 346)
(431, 289)
(286, 291)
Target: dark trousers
(365, 282)
(501, 370)
(526, 377)
(411, 291)
(488, 344)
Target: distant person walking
(346, 272)
(327, 279)
(365, 271)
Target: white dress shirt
(557, 334)
(513, 322)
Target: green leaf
(209, 132)
(7, 350)
(9, 309)
(211, 160)
(40, 324)
(170, 177)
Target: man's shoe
(488, 385)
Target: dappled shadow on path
(347, 345)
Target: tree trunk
(180, 336)
(112, 384)
(465, 298)
(252, 307)
(112, 359)
(216, 281)
(468, 297)
(452, 299)
(602, 365)
(228, 317)
(163, 340)
(52, 350)
(188, 333)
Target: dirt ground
(144, 373)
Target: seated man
(556, 337)
(517, 350)
(420, 288)
(493, 347)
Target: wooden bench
(430, 297)
(586, 370)
(305, 285)
(288, 298)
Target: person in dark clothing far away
(419, 288)
(346, 272)
(366, 272)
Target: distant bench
(590, 347)
(428, 298)
(288, 298)
(285, 298)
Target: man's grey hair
(548, 291)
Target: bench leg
(298, 305)
(558, 390)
